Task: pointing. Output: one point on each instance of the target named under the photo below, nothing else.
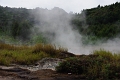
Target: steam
(55, 25)
(110, 45)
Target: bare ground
(44, 74)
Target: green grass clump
(20, 57)
(101, 65)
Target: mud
(42, 70)
(43, 74)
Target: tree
(15, 29)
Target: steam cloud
(55, 25)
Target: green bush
(70, 65)
(105, 54)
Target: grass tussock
(52, 50)
(10, 54)
(101, 65)
(108, 55)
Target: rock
(48, 63)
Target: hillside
(21, 24)
(101, 22)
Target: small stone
(69, 73)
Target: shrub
(101, 65)
(105, 54)
(70, 65)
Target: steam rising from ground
(111, 45)
(55, 25)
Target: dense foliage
(101, 21)
(17, 24)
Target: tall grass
(107, 55)
(51, 50)
(27, 54)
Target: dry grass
(107, 55)
(27, 54)
(51, 50)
